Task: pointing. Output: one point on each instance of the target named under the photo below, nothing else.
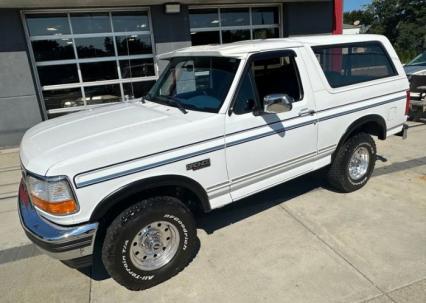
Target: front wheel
(149, 242)
(353, 164)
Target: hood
(90, 136)
(414, 69)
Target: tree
(363, 16)
(402, 21)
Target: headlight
(53, 196)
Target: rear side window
(347, 64)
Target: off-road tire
(119, 235)
(338, 173)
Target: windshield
(420, 60)
(196, 83)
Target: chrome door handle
(306, 112)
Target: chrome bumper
(59, 242)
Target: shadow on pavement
(227, 215)
(253, 205)
(399, 166)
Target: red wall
(338, 17)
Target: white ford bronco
(221, 123)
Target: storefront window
(89, 23)
(90, 58)
(102, 94)
(226, 25)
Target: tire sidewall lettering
(127, 264)
(183, 227)
(128, 269)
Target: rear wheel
(353, 164)
(149, 242)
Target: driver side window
(277, 75)
(274, 75)
(245, 100)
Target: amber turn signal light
(58, 208)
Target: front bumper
(59, 242)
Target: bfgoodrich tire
(353, 163)
(150, 242)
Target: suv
(221, 123)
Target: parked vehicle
(223, 122)
(416, 73)
(418, 97)
(417, 65)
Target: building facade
(62, 56)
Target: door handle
(306, 112)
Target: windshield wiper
(175, 102)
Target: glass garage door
(86, 59)
(230, 24)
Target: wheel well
(373, 128)
(373, 125)
(190, 192)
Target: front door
(264, 149)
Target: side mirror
(277, 103)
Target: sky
(350, 5)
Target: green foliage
(402, 21)
(362, 16)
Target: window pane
(203, 18)
(102, 94)
(199, 83)
(59, 49)
(86, 23)
(98, 71)
(235, 16)
(265, 33)
(369, 61)
(95, 47)
(137, 89)
(63, 98)
(58, 74)
(346, 65)
(130, 21)
(202, 38)
(133, 45)
(277, 76)
(264, 15)
(245, 101)
(137, 68)
(110, 52)
(235, 35)
(48, 24)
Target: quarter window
(91, 58)
(225, 25)
(354, 63)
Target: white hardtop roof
(242, 48)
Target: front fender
(149, 183)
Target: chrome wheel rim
(359, 162)
(154, 245)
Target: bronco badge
(198, 165)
